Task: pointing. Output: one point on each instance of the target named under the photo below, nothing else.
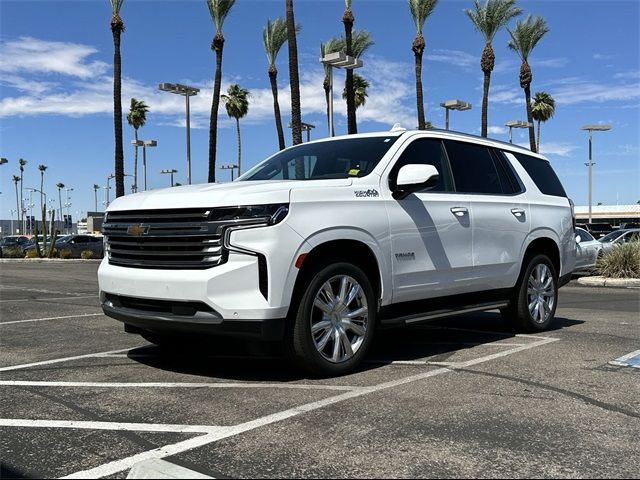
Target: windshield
(611, 237)
(9, 241)
(586, 236)
(350, 157)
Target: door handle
(518, 212)
(460, 211)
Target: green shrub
(12, 252)
(622, 261)
(86, 254)
(65, 253)
(33, 253)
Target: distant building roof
(609, 211)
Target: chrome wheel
(541, 294)
(339, 318)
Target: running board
(420, 317)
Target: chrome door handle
(518, 212)
(459, 211)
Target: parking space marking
(38, 290)
(114, 467)
(114, 426)
(291, 386)
(51, 318)
(68, 297)
(60, 360)
(630, 360)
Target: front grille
(168, 239)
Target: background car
(78, 244)
(597, 229)
(619, 237)
(13, 241)
(588, 249)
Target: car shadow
(231, 359)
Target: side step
(445, 312)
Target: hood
(220, 194)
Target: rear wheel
(334, 320)
(534, 301)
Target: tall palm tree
(348, 20)
(95, 195)
(524, 37)
(237, 105)
(274, 37)
(488, 19)
(543, 108)
(60, 187)
(22, 162)
(42, 169)
(219, 10)
(420, 10)
(16, 179)
(136, 117)
(294, 80)
(360, 86)
(117, 27)
(330, 46)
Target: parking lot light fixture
(229, 167)
(453, 105)
(337, 60)
(516, 124)
(170, 171)
(3, 161)
(187, 92)
(592, 128)
(306, 127)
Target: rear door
(499, 212)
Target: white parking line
(60, 360)
(115, 426)
(52, 318)
(68, 297)
(118, 466)
(291, 386)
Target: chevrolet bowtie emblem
(138, 230)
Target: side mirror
(578, 238)
(414, 178)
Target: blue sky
(56, 91)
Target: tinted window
(542, 174)
(353, 157)
(584, 235)
(509, 180)
(424, 152)
(473, 168)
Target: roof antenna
(398, 128)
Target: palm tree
(136, 117)
(117, 27)
(360, 85)
(95, 195)
(60, 187)
(219, 9)
(42, 169)
(330, 46)
(348, 20)
(543, 108)
(237, 105)
(294, 80)
(43, 206)
(22, 163)
(274, 37)
(488, 20)
(420, 10)
(16, 179)
(524, 37)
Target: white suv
(326, 242)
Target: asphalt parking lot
(463, 397)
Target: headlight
(270, 214)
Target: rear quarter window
(542, 174)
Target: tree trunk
(273, 77)
(327, 96)
(538, 139)
(532, 136)
(116, 29)
(54, 234)
(22, 226)
(135, 163)
(217, 46)
(239, 147)
(418, 49)
(60, 201)
(42, 190)
(296, 117)
(352, 126)
(18, 214)
(487, 62)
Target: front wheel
(533, 304)
(334, 320)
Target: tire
(542, 299)
(321, 335)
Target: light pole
(3, 161)
(68, 205)
(337, 60)
(187, 92)
(95, 195)
(106, 190)
(170, 171)
(229, 167)
(592, 128)
(12, 212)
(516, 124)
(306, 127)
(31, 204)
(144, 144)
(453, 105)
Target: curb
(49, 260)
(609, 282)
